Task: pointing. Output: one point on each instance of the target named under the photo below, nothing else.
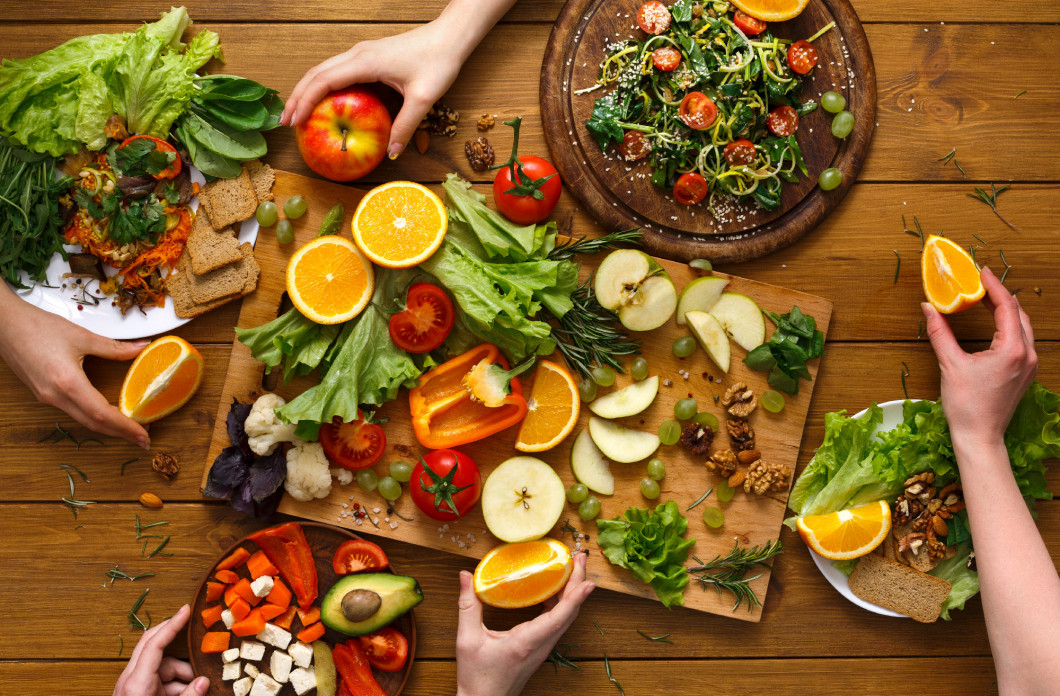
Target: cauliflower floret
(307, 472)
(264, 429)
(342, 475)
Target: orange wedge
(161, 379)
(951, 278)
(524, 574)
(772, 10)
(847, 533)
(400, 224)
(551, 411)
(329, 280)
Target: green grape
(577, 493)
(639, 369)
(266, 214)
(284, 232)
(701, 265)
(685, 409)
(707, 419)
(367, 479)
(830, 179)
(669, 432)
(724, 492)
(587, 390)
(833, 102)
(684, 346)
(842, 124)
(604, 376)
(389, 488)
(401, 472)
(589, 508)
(656, 469)
(772, 401)
(294, 207)
(713, 517)
(649, 488)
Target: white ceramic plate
(104, 319)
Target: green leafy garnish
(795, 341)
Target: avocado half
(397, 594)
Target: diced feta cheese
(280, 666)
(251, 650)
(262, 586)
(227, 617)
(251, 671)
(303, 680)
(230, 655)
(242, 687)
(302, 654)
(265, 685)
(275, 636)
(231, 671)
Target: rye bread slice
(262, 177)
(899, 588)
(224, 282)
(228, 201)
(209, 250)
(185, 307)
(253, 270)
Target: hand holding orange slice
(847, 534)
(551, 411)
(950, 276)
(400, 224)
(163, 378)
(329, 280)
(521, 575)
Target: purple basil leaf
(237, 416)
(227, 474)
(266, 508)
(266, 475)
(241, 499)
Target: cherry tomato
(802, 56)
(527, 210)
(698, 111)
(162, 146)
(653, 17)
(634, 146)
(740, 152)
(354, 445)
(357, 555)
(783, 121)
(425, 322)
(386, 649)
(666, 58)
(752, 26)
(690, 188)
(446, 485)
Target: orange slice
(524, 574)
(847, 533)
(772, 10)
(552, 409)
(951, 278)
(329, 280)
(161, 379)
(400, 224)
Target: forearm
(467, 22)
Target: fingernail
(144, 443)
(589, 588)
(141, 344)
(395, 150)
(926, 308)
(201, 685)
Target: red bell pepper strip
(287, 548)
(355, 670)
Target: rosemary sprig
(121, 645)
(919, 329)
(701, 499)
(991, 200)
(70, 467)
(587, 335)
(140, 527)
(905, 373)
(1020, 94)
(897, 267)
(918, 233)
(115, 574)
(598, 628)
(979, 238)
(74, 504)
(958, 165)
(1007, 266)
(607, 668)
(945, 159)
(560, 659)
(60, 433)
(664, 638)
(728, 572)
(134, 619)
(126, 463)
(583, 245)
(158, 549)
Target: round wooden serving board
(622, 196)
(324, 540)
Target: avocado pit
(360, 605)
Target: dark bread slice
(262, 177)
(183, 304)
(224, 282)
(209, 250)
(899, 588)
(253, 270)
(228, 201)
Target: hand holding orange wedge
(520, 575)
(164, 376)
(950, 276)
(847, 534)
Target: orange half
(524, 574)
(551, 411)
(163, 378)
(329, 280)
(772, 10)
(849, 533)
(951, 278)
(400, 224)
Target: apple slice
(627, 401)
(589, 465)
(522, 500)
(620, 443)
(741, 318)
(635, 287)
(711, 336)
(700, 294)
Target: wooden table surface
(949, 76)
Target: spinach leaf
(223, 140)
(607, 111)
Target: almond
(940, 527)
(747, 457)
(737, 479)
(150, 500)
(422, 141)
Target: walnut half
(479, 153)
(764, 476)
(740, 400)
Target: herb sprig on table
(728, 572)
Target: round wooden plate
(324, 540)
(622, 196)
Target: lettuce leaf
(499, 237)
(1032, 436)
(299, 343)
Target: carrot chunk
(309, 634)
(211, 615)
(214, 591)
(285, 619)
(259, 564)
(280, 595)
(270, 611)
(242, 588)
(235, 560)
(215, 641)
(309, 617)
(239, 609)
(252, 625)
(226, 576)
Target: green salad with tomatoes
(710, 97)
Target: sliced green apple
(700, 294)
(627, 401)
(711, 336)
(741, 318)
(635, 287)
(590, 466)
(522, 499)
(622, 444)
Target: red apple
(346, 135)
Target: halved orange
(523, 574)
(400, 224)
(162, 378)
(329, 280)
(551, 411)
(951, 278)
(772, 10)
(847, 533)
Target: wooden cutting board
(621, 195)
(750, 519)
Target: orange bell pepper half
(468, 398)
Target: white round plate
(103, 319)
(892, 416)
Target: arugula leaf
(607, 111)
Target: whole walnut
(763, 476)
(722, 463)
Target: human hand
(150, 674)
(499, 663)
(980, 391)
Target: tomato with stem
(690, 188)
(426, 320)
(526, 189)
(354, 445)
(446, 485)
